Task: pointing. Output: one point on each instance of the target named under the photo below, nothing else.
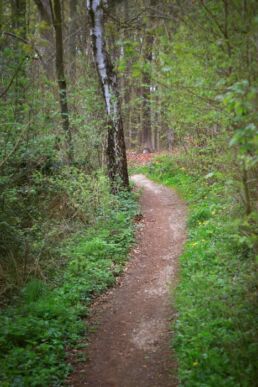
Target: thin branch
(178, 18)
(125, 24)
(12, 79)
(208, 100)
(212, 17)
(12, 35)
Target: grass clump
(216, 334)
(47, 318)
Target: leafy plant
(47, 320)
(216, 328)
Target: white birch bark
(117, 164)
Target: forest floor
(131, 343)
(135, 159)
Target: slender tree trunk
(146, 128)
(124, 82)
(72, 38)
(146, 106)
(57, 22)
(146, 95)
(247, 198)
(18, 9)
(44, 10)
(116, 153)
(170, 138)
(1, 17)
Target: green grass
(216, 334)
(46, 321)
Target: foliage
(216, 337)
(198, 60)
(43, 200)
(39, 213)
(36, 333)
(203, 83)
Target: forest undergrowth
(184, 79)
(48, 316)
(216, 328)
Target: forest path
(130, 347)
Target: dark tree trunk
(1, 24)
(146, 95)
(146, 109)
(170, 139)
(44, 9)
(57, 22)
(18, 9)
(116, 153)
(1, 15)
(124, 83)
(146, 104)
(72, 38)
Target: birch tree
(116, 153)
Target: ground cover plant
(178, 77)
(216, 327)
(46, 320)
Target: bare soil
(131, 345)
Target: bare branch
(11, 34)
(12, 79)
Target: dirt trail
(131, 345)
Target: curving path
(131, 345)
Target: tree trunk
(170, 138)
(146, 105)
(116, 153)
(57, 22)
(1, 18)
(43, 7)
(124, 82)
(18, 9)
(72, 38)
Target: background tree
(48, 41)
(60, 73)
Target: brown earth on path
(131, 345)
(135, 159)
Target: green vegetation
(216, 328)
(46, 319)
(188, 84)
